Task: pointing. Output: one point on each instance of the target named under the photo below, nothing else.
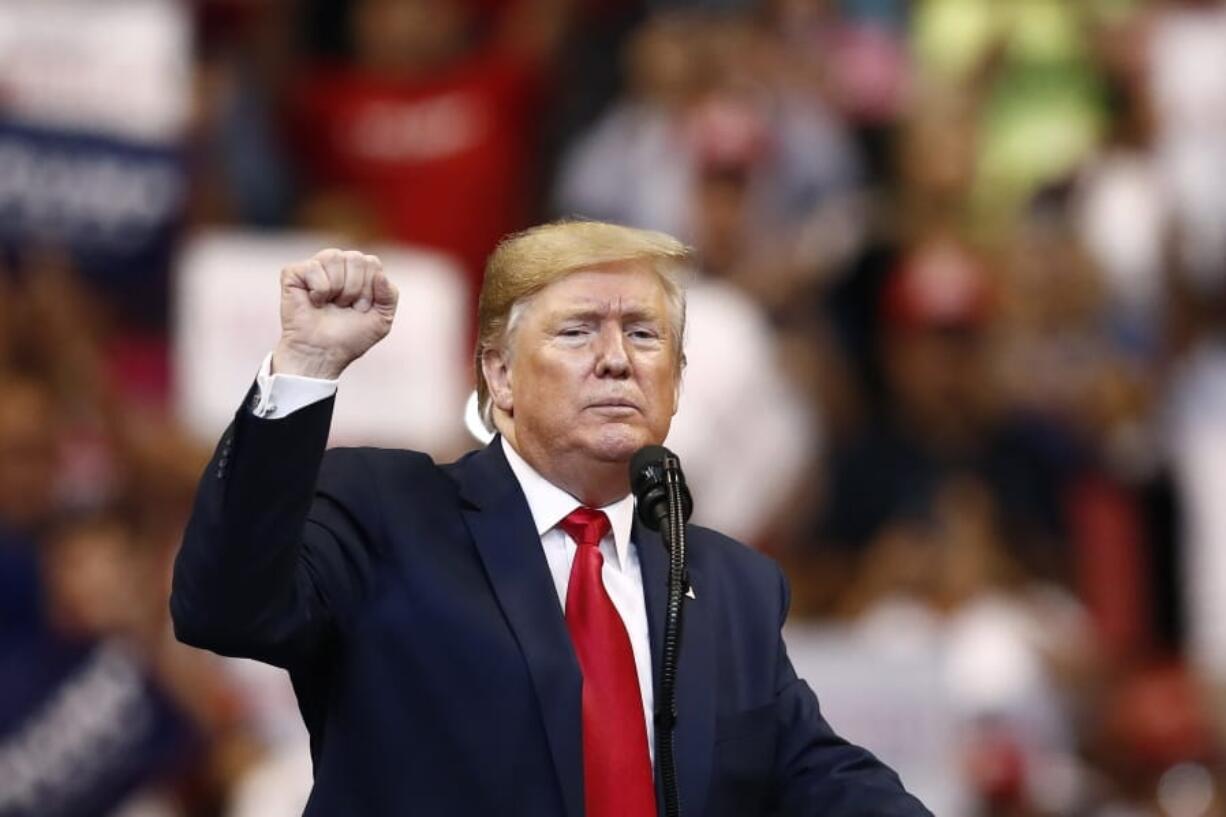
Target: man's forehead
(606, 304)
(617, 289)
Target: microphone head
(647, 467)
(648, 484)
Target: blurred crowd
(981, 243)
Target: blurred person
(427, 115)
(638, 137)
(106, 576)
(586, 79)
(241, 173)
(932, 171)
(102, 579)
(29, 469)
(942, 414)
(439, 643)
(735, 369)
(706, 94)
(855, 54)
(49, 381)
(1080, 352)
(738, 363)
(766, 123)
(1016, 654)
(1070, 352)
(1187, 85)
(101, 388)
(1193, 440)
(1123, 207)
(63, 331)
(852, 50)
(85, 726)
(1038, 97)
(737, 212)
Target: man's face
(593, 371)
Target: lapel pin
(689, 593)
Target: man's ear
(496, 366)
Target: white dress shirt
(279, 395)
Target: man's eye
(572, 332)
(643, 334)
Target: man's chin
(617, 442)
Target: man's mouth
(614, 404)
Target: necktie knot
(587, 526)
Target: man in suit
(484, 637)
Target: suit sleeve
(281, 543)
(820, 772)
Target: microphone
(649, 483)
(658, 485)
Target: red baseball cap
(939, 284)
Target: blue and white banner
(81, 727)
(112, 203)
(94, 104)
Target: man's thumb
(384, 291)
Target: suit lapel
(695, 730)
(500, 522)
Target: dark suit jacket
(413, 607)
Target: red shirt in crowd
(443, 161)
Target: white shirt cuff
(280, 395)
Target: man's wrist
(282, 394)
(286, 359)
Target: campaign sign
(81, 727)
(94, 104)
(114, 204)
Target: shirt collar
(550, 504)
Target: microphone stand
(666, 707)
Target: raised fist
(333, 308)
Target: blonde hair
(525, 263)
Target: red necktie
(617, 780)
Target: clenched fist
(333, 308)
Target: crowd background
(957, 356)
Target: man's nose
(611, 357)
